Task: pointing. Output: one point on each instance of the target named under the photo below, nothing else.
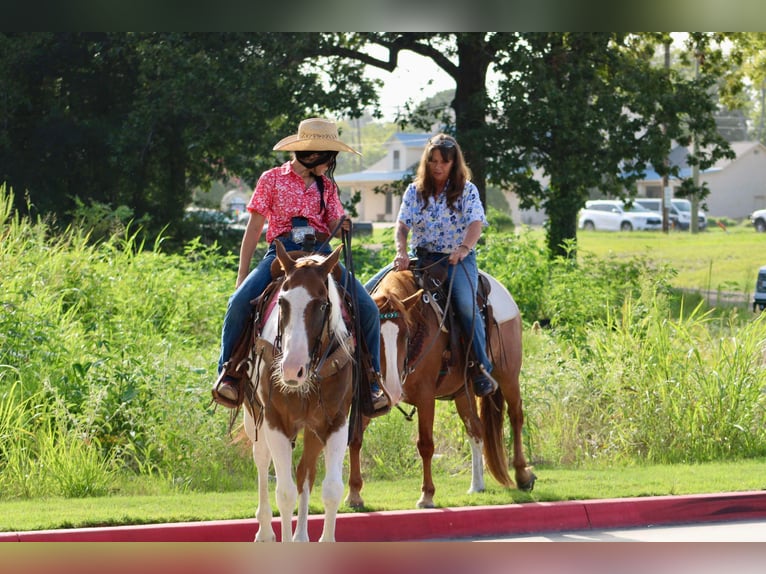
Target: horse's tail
(495, 456)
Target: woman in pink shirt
(299, 197)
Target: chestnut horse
(414, 344)
(301, 380)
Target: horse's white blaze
(296, 354)
(389, 332)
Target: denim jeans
(463, 301)
(238, 308)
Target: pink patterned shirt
(281, 194)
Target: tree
(141, 119)
(589, 109)
(464, 56)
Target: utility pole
(694, 221)
(666, 193)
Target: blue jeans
(239, 307)
(463, 301)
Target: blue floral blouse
(438, 228)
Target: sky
(415, 78)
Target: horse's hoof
(529, 485)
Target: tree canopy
(587, 110)
(142, 118)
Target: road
(739, 531)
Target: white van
(679, 211)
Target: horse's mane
(392, 289)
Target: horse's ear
(332, 260)
(284, 258)
(412, 300)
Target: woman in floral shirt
(443, 210)
(297, 197)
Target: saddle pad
(504, 307)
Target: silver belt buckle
(298, 234)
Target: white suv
(758, 219)
(612, 215)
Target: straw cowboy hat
(314, 134)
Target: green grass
(714, 260)
(553, 484)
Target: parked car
(613, 215)
(759, 297)
(758, 219)
(679, 211)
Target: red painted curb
(444, 523)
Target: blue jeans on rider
(464, 287)
(238, 308)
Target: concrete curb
(445, 523)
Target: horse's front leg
(426, 450)
(262, 460)
(332, 485)
(466, 408)
(355, 480)
(305, 475)
(286, 490)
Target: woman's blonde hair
(459, 174)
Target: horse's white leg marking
(295, 357)
(332, 485)
(477, 466)
(262, 460)
(302, 525)
(286, 490)
(389, 332)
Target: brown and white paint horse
(301, 381)
(412, 348)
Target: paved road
(740, 531)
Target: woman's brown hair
(459, 173)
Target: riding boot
(226, 390)
(483, 383)
(380, 403)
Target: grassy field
(715, 260)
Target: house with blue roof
(404, 151)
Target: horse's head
(309, 310)
(397, 298)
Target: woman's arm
(249, 243)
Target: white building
(737, 186)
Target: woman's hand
(460, 253)
(401, 261)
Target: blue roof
(372, 176)
(677, 158)
(412, 140)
